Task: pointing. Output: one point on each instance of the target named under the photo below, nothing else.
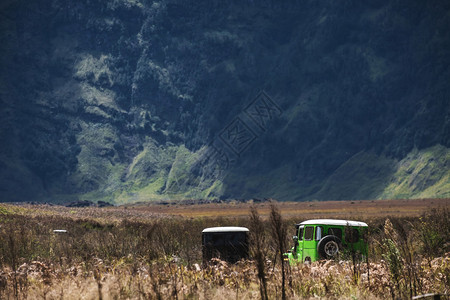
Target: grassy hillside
(421, 174)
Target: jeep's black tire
(329, 246)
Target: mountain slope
(129, 100)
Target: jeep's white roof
(333, 222)
(226, 229)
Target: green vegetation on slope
(421, 174)
(363, 176)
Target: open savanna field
(304, 210)
(150, 251)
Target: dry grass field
(154, 252)
(307, 210)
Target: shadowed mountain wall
(129, 100)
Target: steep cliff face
(129, 100)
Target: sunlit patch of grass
(4, 210)
(421, 174)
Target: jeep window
(364, 234)
(226, 238)
(319, 230)
(300, 233)
(335, 231)
(351, 235)
(309, 233)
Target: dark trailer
(227, 243)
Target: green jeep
(325, 239)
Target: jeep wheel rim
(331, 248)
